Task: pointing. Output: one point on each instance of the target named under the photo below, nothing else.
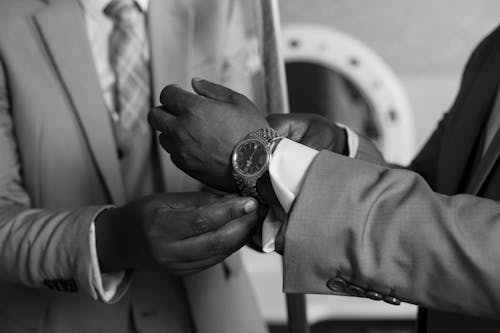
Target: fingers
(202, 199)
(176, 100)
(211, 90)
(191, 200)
(282, 123)
(208, 248)
(310, 130)
(161, 121)
(228, 210)
(291, 126)
(205, 219)
(217, 244)
(217, 92)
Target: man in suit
(428, 235)
(78, 162)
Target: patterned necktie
(128, 53)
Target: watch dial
(251, 157)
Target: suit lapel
(475, 105)
(62, 27)
(170, 29)
(485, 165)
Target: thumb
(217, 92)
(216, 215)
(281, 123)
(229, 209)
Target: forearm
(40, 246)
(386, 230)
(120, 240)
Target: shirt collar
(96, 7)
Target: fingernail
(197, 79)
(250, 206)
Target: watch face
(250, 157)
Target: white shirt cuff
(287, 169)
(106, 285)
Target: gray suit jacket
(58, 166)
(430, 236)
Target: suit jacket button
(337, 284)
(374, 295)
(71, 286)
(51, 284)
(355, 290)
(391, 300)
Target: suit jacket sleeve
(38, 248)
(385, 230)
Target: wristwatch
(251, 158)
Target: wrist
(120, 241)
(107, 244)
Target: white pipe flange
(368, 72)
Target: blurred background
(426, 42)
(388, 68)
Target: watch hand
(250, 159)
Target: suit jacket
(59, 165)
(430, 236)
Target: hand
(183, 232)
(311, 130)
(201, 131)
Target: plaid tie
(129, 59)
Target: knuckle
(231, 213)
(183, 135)
(158, 214)
(201, 224)
(156, 223)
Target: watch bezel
(234, 156)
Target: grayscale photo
(249, 166)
